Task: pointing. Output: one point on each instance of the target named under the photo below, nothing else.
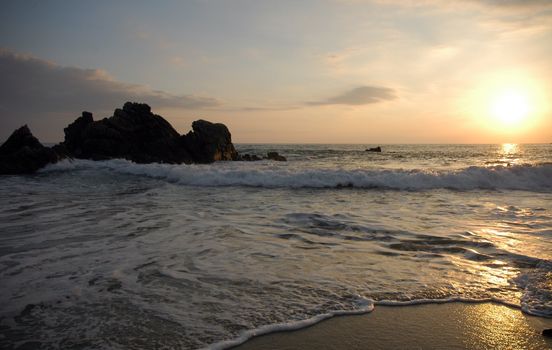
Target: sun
(510, 107)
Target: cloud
(48, 96)
(359, 96)
(542, 4)
(32, 85)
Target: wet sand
(432, 326)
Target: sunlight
(510, 107)
(509, 148)
(507, 103)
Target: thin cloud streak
(362, 95)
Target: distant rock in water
(22, 153)
(374, 149)
(132, 133)
(249, 157)
(275, 156)
(253, 157)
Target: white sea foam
(537, 290)
(191, 258)
(517, 177)
(370, 305)
(365, 306)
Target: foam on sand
(450, 325)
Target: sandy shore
(432, 326)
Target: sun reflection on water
(508, 154)
(509, 148)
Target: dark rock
(249, 157)
(74, 132)
(374, 149)
(132, 133)
(547, 332)
(22, 153)
(246, 157)
(209, 142)
(275, 156)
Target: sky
(340, 71)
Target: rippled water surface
(120, 255)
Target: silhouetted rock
(547, 332)
(244, 157)
(374, 149)
(132, 133)
(275, 156)
(249, 157)
(209, 142)
(22, 153)
(74, 132)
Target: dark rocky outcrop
(209, 142)
(547, 332)
(133, 133)
(374, 149)
(22, 153)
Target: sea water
(119, 255)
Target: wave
(536, 177)
(369, 306)
(364, 306)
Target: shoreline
(450, 324)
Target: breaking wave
(518, 177)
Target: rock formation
(22, 153)
(132, 133)
(209, 142)
(374, 149)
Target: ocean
(119, 255)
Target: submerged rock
(22, 153)
(374, 149)
(249, 157)
(275, 156)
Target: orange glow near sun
(506, 106)
(510, 107)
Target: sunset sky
(348, 71)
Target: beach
(121, 255)
(208, 175)
(430, 326)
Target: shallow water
(120, 255)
